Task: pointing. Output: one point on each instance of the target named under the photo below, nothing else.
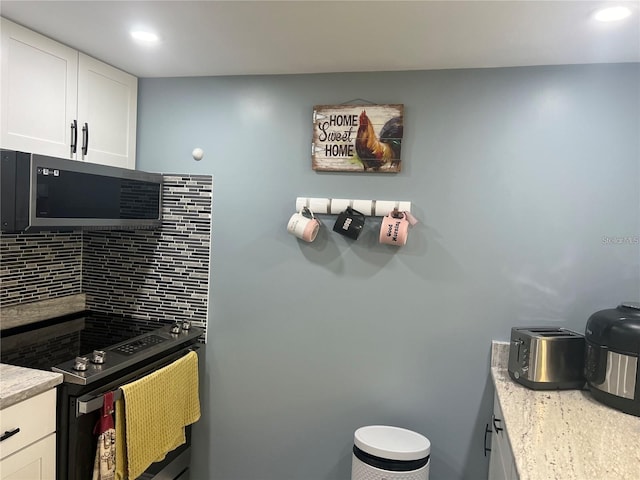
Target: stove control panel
(137, 345)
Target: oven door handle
(95, 403)
(91, 402)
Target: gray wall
(517, 176)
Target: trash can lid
(392, 443)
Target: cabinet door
(496, 469)
(35, 462)
(501, 464)
(31, 420)
(38, 92)
(107, 103)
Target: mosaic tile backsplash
(39, 266)
(147, 275)
(155, 274)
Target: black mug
(349, 223)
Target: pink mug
(304, 225)
(394, 230)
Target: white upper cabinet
(39, 92)
(59, 102)
(107, 112)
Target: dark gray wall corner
(525, 182)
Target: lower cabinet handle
(496, 427)
(487, 429)
(9, 434)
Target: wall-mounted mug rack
(334, 206)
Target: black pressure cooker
(612, 355)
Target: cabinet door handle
(9, 434)
(496, 428)
(85, 139)
(487, 429)
(74, 136)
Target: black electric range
(98, 353)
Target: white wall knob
(197, 153)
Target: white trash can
(389, 453)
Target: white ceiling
(268, 37)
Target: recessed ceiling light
(612, 14)
(145, 36)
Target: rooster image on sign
(357, 138)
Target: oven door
(79, 412)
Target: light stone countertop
(19, 383)
(566, 434)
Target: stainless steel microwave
(46, 193)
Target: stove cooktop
(94, 366)
(54, 344)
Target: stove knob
(98, 357)
(175, 328)
(80, 364)
(186, 325)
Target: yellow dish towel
(151, 416)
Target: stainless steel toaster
(547, 358)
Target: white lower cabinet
(36, 462)
(28, 448)
(501, 464)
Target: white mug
(304, 225)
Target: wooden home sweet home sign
(357, 138)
